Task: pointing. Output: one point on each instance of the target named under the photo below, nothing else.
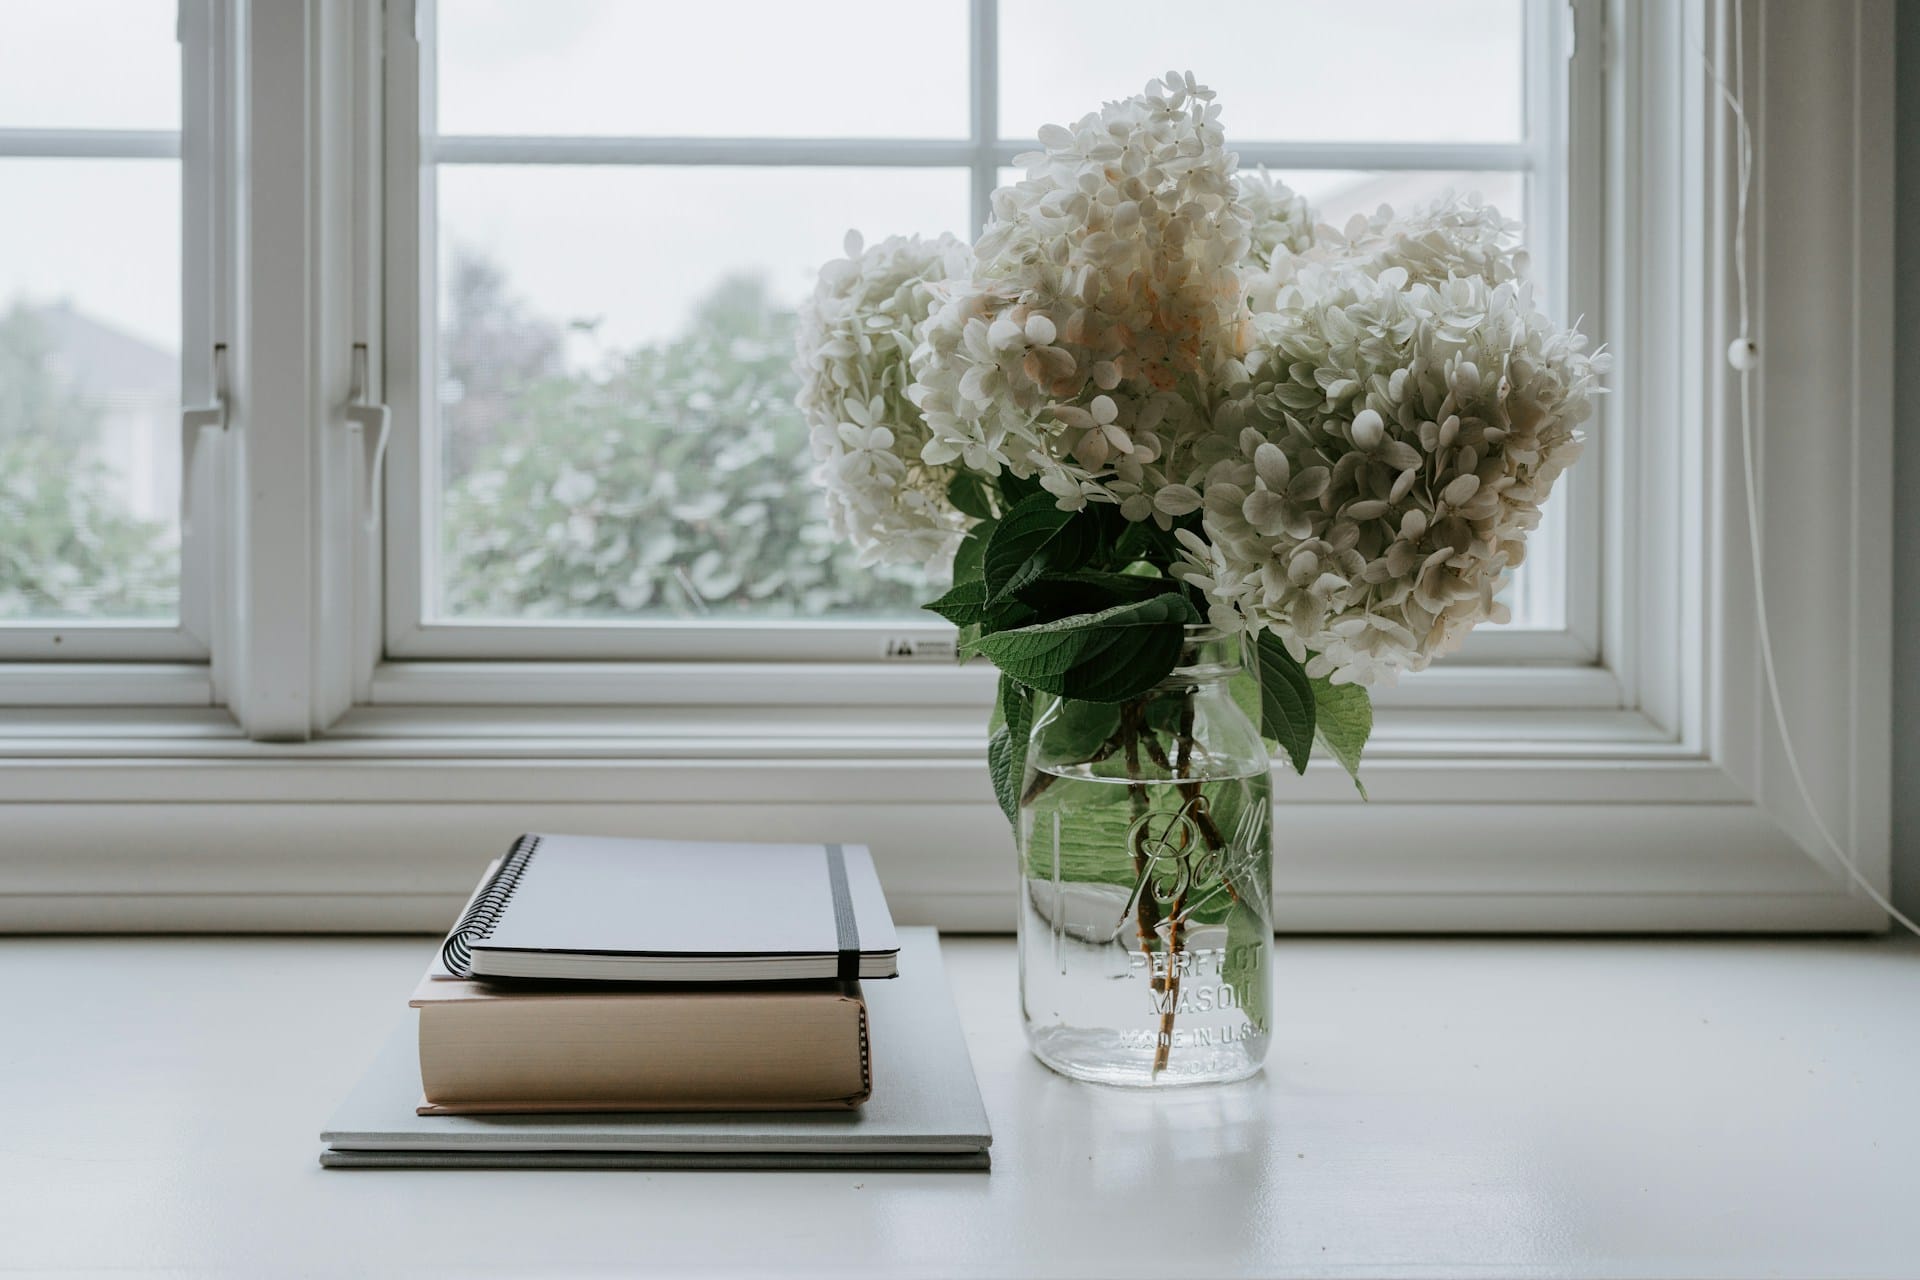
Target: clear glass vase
(1146, 872)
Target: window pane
(741, 68)
(617, 430)
(88, 64)
(89, 389)
(1360, 70)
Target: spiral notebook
(602, 908)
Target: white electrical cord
(1744, 355)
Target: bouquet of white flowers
(1155, 369)
(1156, 405)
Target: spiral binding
(477, 924)
(866, 1056)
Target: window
(599, 283)
(94, 329)
(569, 248)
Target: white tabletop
(1609, 1108)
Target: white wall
(1906, 612)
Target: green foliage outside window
(673, 482)
(67, 549)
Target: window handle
(374, 422)
(194, 421)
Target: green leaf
(964, 605)
(1034, 538)
(1109, 656)
(1083, 837)
(1244, 689)
(1057, 595)
(1286, 701)
(1077, 730)
(970, 495)
(1014, 490)
(1145, 540)
(1011, 726)
(968, 555)
(1090, 841)
(1249, 944)
(1343, 720)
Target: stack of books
(659, 1004)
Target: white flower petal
(1177, 500)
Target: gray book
(925, 1112)
(599, 908)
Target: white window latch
(374, 422)
(194, 421)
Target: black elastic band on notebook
(847, 931)
(457, 952)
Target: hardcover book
(617, 1047)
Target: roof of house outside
(103, 360)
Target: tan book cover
(545, 1047)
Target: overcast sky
(633, 249)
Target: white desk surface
(1451, 1107)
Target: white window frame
(280, 240)
(184, 643)
(415, 149)
(1663, 808)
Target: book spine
(846, 928)
(477, 924)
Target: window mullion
(410, 288)
(202, 313)
(983, 76)
(108, 144)
(1582, 274)
(831, 152)
(292, 468)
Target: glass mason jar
(1146, 870)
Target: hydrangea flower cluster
(857, 333)
(1105, 294)
(1350, 431)
(1394, 441)
(1455, 236)
(1281, 219)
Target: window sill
(1658, 1111)
(912, 682)
(943, 733)
(1522, 819)
(915, 682)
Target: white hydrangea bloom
(1391, 447)
(856, 335)
(1281, 218)
(1366, 418)
(1103, 303)
(1452, 236)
